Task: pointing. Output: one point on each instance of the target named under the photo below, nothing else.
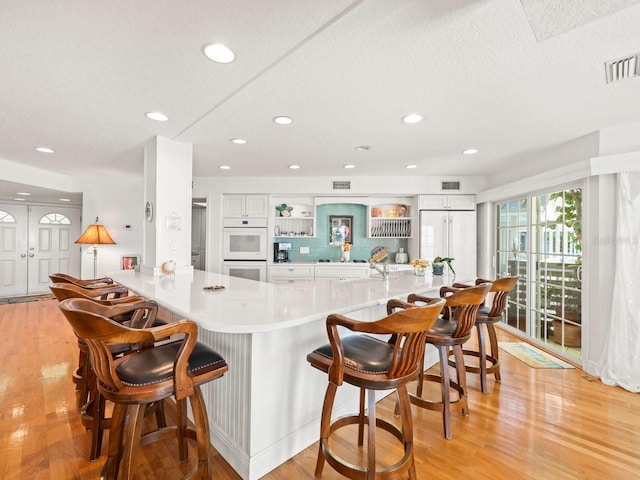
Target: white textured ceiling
(504, 76)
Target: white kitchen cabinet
(446, 202)
(451, 234)
(256, 206)
(342, 271)
(289, 273)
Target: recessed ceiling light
(23, 193)
(238, 141)
(411, 166)
(412, 118)
(225, 167)
(218, 53)
(363, 148)
(64, 199)
(157, 116)
(294, 167)
(45, 150)
(470, 151)
(282, 120)
(19, 199)
(349, 165)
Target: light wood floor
(536, 424)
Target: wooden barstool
(487, 316)
(153, 372)
(87, 283)
(373, 364)
(450, 332)
(136, 312)
(109, 295)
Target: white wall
(520, 168)
(16, 172)
(117, 201)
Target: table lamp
(95, 234)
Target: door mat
(26, 298)
(532, 356)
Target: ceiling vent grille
(450, 186)
(342, 185)
(623, 68)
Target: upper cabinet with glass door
(390, 218)
(293, 217)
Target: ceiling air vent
(450, 185)
(341, 185)
(623, 68)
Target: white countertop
(247, 306)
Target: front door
(35, 242)
(13, 249)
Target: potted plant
(419, 266)
(439, 263)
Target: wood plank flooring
(536, 424)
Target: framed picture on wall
(340, 227)
(129, 262)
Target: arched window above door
(6, 217)
(55, 219)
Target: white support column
(167, 193)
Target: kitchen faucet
(384, 271)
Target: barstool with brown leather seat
(486, 317)
(154, 372)
(108, 295)
(136, 312)
(373, 364)
(450, 332)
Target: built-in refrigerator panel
(450, 233)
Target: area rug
(532, 356)
(25, 298)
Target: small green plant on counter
(446, 260)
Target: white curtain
(620, 362)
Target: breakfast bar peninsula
(267, 407)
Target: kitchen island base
(267, 408)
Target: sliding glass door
(539, 238)
(512, 257)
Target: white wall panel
(8, 239)
(64, 242)
(8, 273)
(44, 239)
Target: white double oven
(244, 248)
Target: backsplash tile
(319, 246)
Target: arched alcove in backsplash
(320, 247)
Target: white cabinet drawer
(292, 271)
(292, 281)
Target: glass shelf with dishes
(293, 217)
(390, 220)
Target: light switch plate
(304, 250)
